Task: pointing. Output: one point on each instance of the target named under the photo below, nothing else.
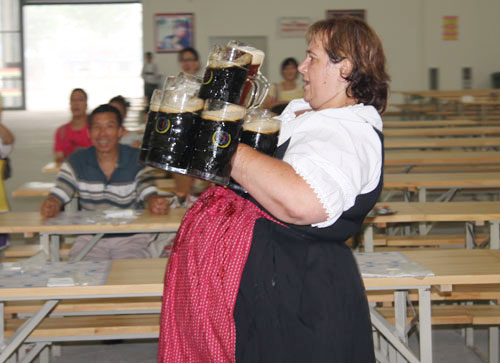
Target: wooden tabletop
(138, 277)
(438, 212)
(142, 277)
(33, 189)
(432, 142)
(32, 222)
(445, 180)
(437, 123)
(450, 266)
(440, 157)
(443, 131)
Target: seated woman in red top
(73, 135)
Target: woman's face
(78, 103)
(324, 86)
(290, 72)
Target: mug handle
(260, 87)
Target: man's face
(188, 63)
(105, 132)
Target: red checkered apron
(203, 277)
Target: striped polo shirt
(80, 174)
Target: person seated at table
(189, 60)
(74, 134)
(106, 175)
(129, 138)
(280, 94)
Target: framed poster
(335, 13)
(173, 32)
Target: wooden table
(42, 189)
(441, 143)
(404, 212)
(421, 182)
(436, 123)
(443, 131)
(412, 158)
(32, 222)
(33, 189)
(135, 278)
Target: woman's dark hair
(103, 109)
(121, 100)
(188, 50)
(79, 90)
(351, 38)
(288, 61)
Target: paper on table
(389, 264)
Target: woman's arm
(277, 187)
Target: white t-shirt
(336, 151)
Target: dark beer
(173, 134)
(262, 135)
(215, 143)
(150, 123)
(223, 83)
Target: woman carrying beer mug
(267, 276)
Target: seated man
(106, 175)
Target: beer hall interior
(445, 46)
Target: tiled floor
(32, 151)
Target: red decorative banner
(450, 27)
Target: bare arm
(157, 204)
(277, 187)
(6, 136)
(58, 157)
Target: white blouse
(336, 151)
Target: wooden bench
(95, 306)
(13, 252)
(78, 328)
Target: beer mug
(215, 141)
(154, 107)
(261, 131)
(256, 82)
(172, 135)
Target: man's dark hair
(188, 50)
(103, 109)
(149, 54)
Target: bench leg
(424, 300)
(493, 352)
(33, 353)
(494, 235)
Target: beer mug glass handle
(260, 87)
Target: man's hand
(50, 207)
(157, 204)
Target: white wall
(410, 31)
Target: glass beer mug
(216, 141)
(226, 74)
(256, 79)
(172, 136)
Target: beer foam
(181, 104)
(230, 113)
(257, 54)
(242, 61)
(264, 126)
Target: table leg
(424, 300)
(55, 247)
(34, 352)
(368, 238)
(469, 235)
(88, 247)
(494, 235)
(44, 243)
(25, 330)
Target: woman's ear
(345, 68)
